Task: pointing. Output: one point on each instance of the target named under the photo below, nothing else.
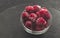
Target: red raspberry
(25, 14)
(41, 21)
(29, 8)
(37, 7)
(41, 12)
(44, 13)
(28, 24)
(32, 16)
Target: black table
(10, 25)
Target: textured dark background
(10, 25)
(4, 4)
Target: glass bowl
(34, 32)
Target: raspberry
(33, 16)
(44, 13)
(25, 14)
(40, 23)
(37, 7)
(40, 20)
(29, 8)
(28, 24)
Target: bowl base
(36, 32)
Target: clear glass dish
(37, 32)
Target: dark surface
(10, 25)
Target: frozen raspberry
(44, 13)
(25, 14)
(29, 8)
(41, 21)
(32, 16)
(28, 24)
(41, 12)
(37, 7)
